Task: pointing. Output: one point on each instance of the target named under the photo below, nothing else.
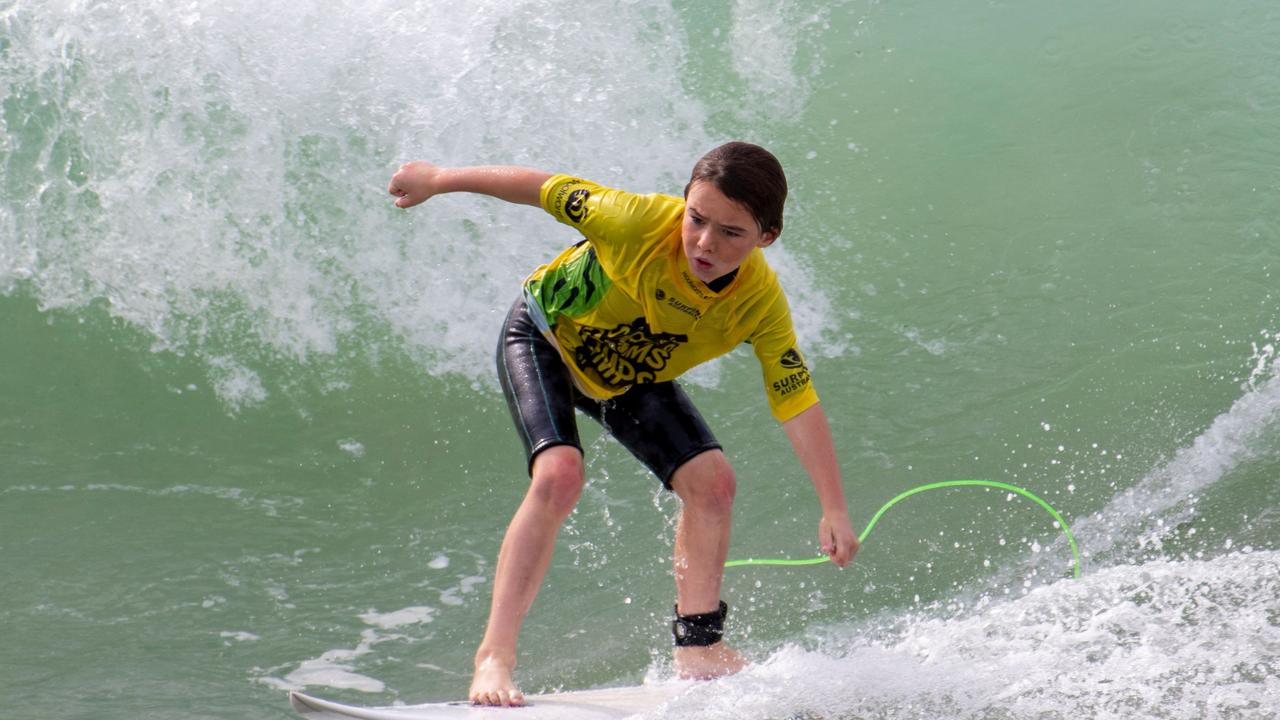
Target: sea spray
(215, 175)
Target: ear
(767, 239)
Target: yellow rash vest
(623, 307)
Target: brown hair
(749, 175)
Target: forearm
(507, 182)
(810, 436)
(418, 181)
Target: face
(718, 233)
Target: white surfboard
(607, 704)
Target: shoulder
(760, 288)
(590, 205)
(571, 198)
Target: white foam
(236, 384)
(328, 670)
(238, 636)
(334, 668)
(1169, 639)
(354, 448)
(405, 616)
(1265, 360)
(453, 595)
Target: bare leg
(522, 563)
(706, 486)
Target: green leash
(1075, 552)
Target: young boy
(658, 285)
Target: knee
(558, 478)
(707, 483)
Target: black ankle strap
(699, 630)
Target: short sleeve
(787, 383)
(619, 224)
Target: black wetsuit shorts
(656, 421)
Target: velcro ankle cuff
(699, 630)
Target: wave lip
(1146, 515)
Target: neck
(723, 281)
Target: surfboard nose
(297, 700)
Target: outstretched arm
(810, 435)
(417, 181)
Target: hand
(837, 539)
(414, 183)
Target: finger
(848, 552)
(837, 558)
(839, 552)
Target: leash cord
(1066, 530)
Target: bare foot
(492, 685)
(708, 663)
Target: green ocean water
(250, 438)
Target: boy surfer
(658, 285)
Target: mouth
(702, 264)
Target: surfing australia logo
(796, 381)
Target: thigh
(658, 424)
(537, 385)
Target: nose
(704, 243)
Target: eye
(696, 220)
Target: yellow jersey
(623, 308)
